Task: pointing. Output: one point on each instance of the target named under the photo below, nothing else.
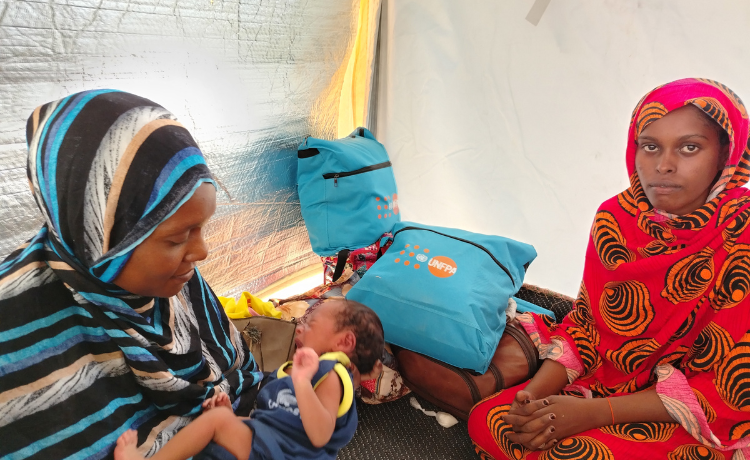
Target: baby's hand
(305, 364)
(217, 400)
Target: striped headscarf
(82, 360)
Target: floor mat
(395, 430)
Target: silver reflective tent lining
(249, 79)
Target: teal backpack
(347, 191)
(443, 292)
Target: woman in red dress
(654, 361)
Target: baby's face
(319, 331)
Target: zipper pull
(336, 180)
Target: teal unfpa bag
(347, 191)
(443, 292)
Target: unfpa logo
(440, 266)
(387, 207)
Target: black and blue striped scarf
(81, 360)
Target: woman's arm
(558, 417)
(549, 380)
(317, 407)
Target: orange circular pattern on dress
(406, 262)
(407, 245)
(713, 343)
(626, 307)
(416, 247)
(386, 198)
(642, 432)
(739, 431)
(411, 254)
(731, 370)
(732, 284)
(416, 265)
(380, 216)
(610, 244)
(578, 447)
(499, 429)
(694, 452)
(426, 250)
(386, 206)
(379, 206)
(397, 260)
(377, 198)
(402, 252)
(643, 206)
(442, 266)
(687, 279)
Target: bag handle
(527, 346)
(382, 242)
(341, 260)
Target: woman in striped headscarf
(654, 361)
(105, 322)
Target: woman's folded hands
(539, 423)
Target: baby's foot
(222, 399)
(126, 446)
(217, 400)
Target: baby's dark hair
(368, 330)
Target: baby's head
(347, 326)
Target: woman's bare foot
(126, 448)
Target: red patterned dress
(663, 305)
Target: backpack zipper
(499, 264)
(335, 176)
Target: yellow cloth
(237, 309)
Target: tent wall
(249, 79)
(499, 126)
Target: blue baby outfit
(278, 432)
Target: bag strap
(341, 260)
(499, 380)
(382, 242)
(476, 396)
(528, 348)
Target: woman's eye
(649, 147)
(691, 148)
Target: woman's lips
(664, 187)
(185, 277)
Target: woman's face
(677, 160)
(162, 264)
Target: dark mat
(395, 430)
